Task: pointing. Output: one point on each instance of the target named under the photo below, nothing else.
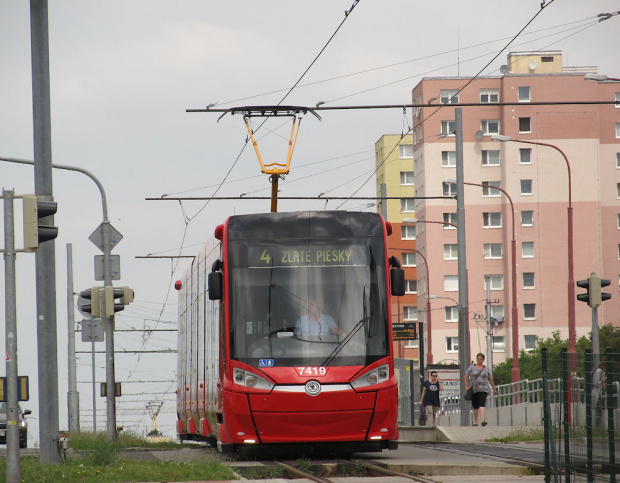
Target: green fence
(579, 425)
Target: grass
(521, 436)
(97, 460)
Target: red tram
(284, 334)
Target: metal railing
(527, 391)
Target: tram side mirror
(397, 279)
(215, 281)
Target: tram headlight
(249, 379)
(370, 378)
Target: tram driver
(316, 322)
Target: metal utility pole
(73, 396)
(462, 267)
(13, 469)
(46, 254)
(489, 329)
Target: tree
(530, 363)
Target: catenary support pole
(73, 396)
(47, 350)
(462, 267)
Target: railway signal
(35, 233)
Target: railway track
(371, 472)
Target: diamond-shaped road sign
(97, 236)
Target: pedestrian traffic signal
(94, 307)
(35, 233)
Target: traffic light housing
(34, 232)
(593, 296)
(94, 308)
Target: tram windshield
(319, 304)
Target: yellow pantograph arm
(276, 168)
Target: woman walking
(478, 376)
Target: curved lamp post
(515, 372)
(572, 336)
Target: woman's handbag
(469, 394)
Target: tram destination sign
(307, 256)
(405, 331)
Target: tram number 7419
(312, 371)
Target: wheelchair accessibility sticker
(265, 363)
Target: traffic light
(593, 297)
(94, 308)
(125, 294)
(117, 392)
(35, 233)
(604, 283)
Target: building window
(449, 96)
(489, 96)
(407, 232)
(499, 343)
(492, 219)
(410, 344)
(618, 189)
(546, 59)
(451, 283)
(488, 188)
(406, 177)
(496, 282)
(527, 218)
(493, 250)
(407, 205)
(527, 249)
(452, 313)
(617, 160)
(452, 344)
(490, 157)
(489, 126)
(448, 159)
(449, 189)
(618, 221)
(524, 94)
(526, 186)
(617, 100)
(448, 128)
(618, 130)
(411, 286)
(618, 252)
(450, 251)
(410, 314)
(449, 219)
(529, 342)
(409, 259)
(406, 150)
(525, 124)
(528, 280)
(529, 311)
(525, 156)
(497, 312)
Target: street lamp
(515, 372)
(572, 336)
(429, 355)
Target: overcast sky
(123, 72)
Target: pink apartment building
(535, 177)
